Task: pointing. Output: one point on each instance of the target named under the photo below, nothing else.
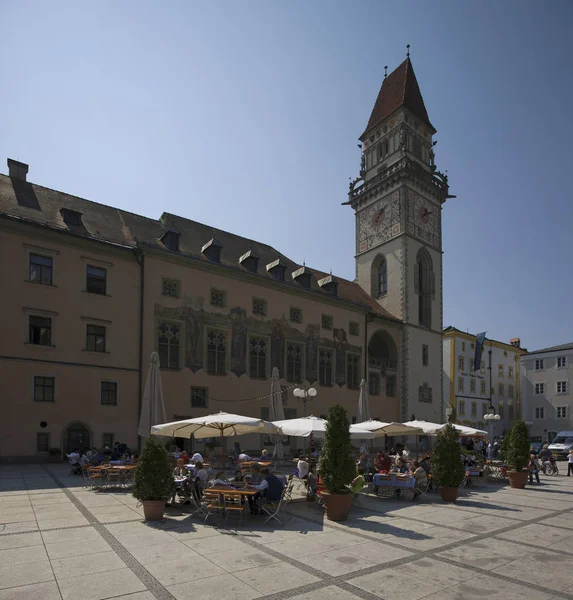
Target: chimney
(17, 170)
(515, 342)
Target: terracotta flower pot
(153, 509)
(449, 494)
(337, 505)
(517, 479)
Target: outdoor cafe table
(394, 481)
(248, 463)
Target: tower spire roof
(400, 88)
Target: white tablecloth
(380, 481)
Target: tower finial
(408, 51)
(385, 71)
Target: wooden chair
(274, 510)
(214, 504)
(95, 476)
(233, 505)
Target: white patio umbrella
(307, 426)
(152, 406)
(427, 427)
(469, 431)
(276, 412)
(379, 428)
(225, 424)
(363, 408)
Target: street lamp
(304, 394)
(449, 413)
(490, 418)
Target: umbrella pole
(222, 451)
(417, 445)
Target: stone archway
(382, 365)
(76, 436)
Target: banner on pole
(480, 339)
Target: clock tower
(397, 200)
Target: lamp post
(490, 418)
(305, 395)
(449, 413)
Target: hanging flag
(480, 339)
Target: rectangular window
(168, 345)
(259, 307)
(96, 280)
(540, 412)
(107, 440)
(463, 346)
(44, 388)
(500, 371)
(461, 363)
(41, 269)
(108, 393)
(374, 384)
(425, 354)
(325, 366)
(561, 412)
(354, 328)
(295, 314)
(473, 385)
(216, 352)
(510, 391)
(500, 389)
(540, 388)
(474, 409)
(391, 386)
(484, 409)
(42, 442)
(290, 413)
(482, 387)
(460, 384)
(482, 367)
(199, 397)
(461, 408)
(510, 372)
(472, 365)
(40, 331)
(500, 409)
(561, 362)
(257, 358)
(352, 370)
(561, 387)
(218, 297)
(294, 362)
(170, 287)
(95, 338)
(326, 322)
(539, 364)
(510, 411)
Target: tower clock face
(423, 219)
(378, 222)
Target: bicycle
(549, 467)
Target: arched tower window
(425, 287)
(379, 277)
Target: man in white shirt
(302, 467)
(196, 458)
(244, 456)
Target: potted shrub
(516, 454)
(447, 467)
(336, 467)
(153, 481)
(54, 455)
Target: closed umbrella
(363, 408)
(307, 426)
(152, 406)
(276, 411)
(225, 424)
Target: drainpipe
(140, 258)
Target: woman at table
(180, 473)
(256, 476)
(421, 478)
(312, 483)
(358, 482)
(239, 480)
(201, 475)
(401, 466)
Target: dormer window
(277, 269)
(170, 240)
(212, 249)
(329, 284)
(302, 277)
(71, 217)
(250, 261)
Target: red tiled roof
(400, 88)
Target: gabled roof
(400, 88)
(560, 348)
(33, 203)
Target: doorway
(76, 437)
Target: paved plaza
(60, 540)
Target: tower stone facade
(397, 200)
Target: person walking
(570, 465)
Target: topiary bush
(336, 467)
(447, 467)
(516, 450)
(153, 479)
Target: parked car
(536, 446)
(561, 445)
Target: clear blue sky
(245, 115)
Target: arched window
(385, 147)
(425, 287)
(379, 277)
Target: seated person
(220, 479)
(302, 468)
(256, 474)
(185, 457)
(421, 478)
(400, 466)
(311, 483)
(201, 475)
(243, 456)
(264, 456)
(533, 467)
(426, 465)
(239, 480)
(85, 459)
(180, 470)
(196, 458)
(269, 490)
(358, 482)
(314, 454)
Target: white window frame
(542, 390)
(461, 408)
(461, 388)
(564, 385)
(472, 385)
(540, 412)
(462, 362)
(267, 355)
(563, 410)
(564, 365)
(540, 364)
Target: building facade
(474, 393)
(547, 400)
(94, 290)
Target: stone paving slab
(69, 542)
